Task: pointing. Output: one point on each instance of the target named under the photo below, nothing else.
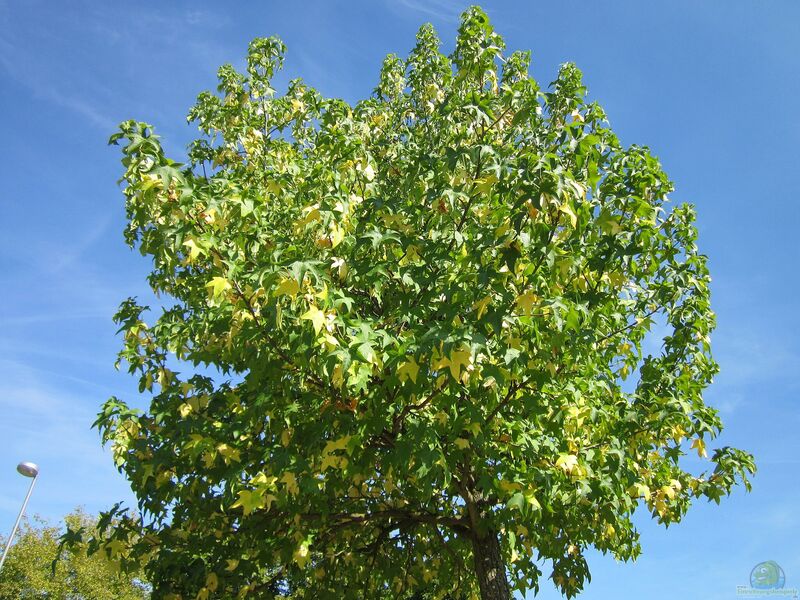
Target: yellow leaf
(661, 506)
(340, 444)
(484, 184)
(337, 235)
(509, 486)
(232, 564)
(262, 480)
(482, 304)
(526, 301)
(185, 409)
(217, 287)
(616, 279)
(290, 481)
(668, 492)
(287, 287)
(332, 460)
(567, 210)
(274, 187)
(316, 316)
(700, 445)
(439, 362)
(458, 359)
(212, 582)
(194, 250)
(639, 490)
(408, 370)
(301, 555)
(530, 498)
(147, 472)
(297, 105)
(312, 215)
(323, 293)
(286, 435)
(337, 378)
(462, 443)
(202, 594)
(250, 500)
(244, 592)
(567, 462)
(210, 216)
(411, 255)
(197, 403)
(228, 454)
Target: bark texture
(490, 567)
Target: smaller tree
(40, 566)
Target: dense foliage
(30, 571)
(407, 342)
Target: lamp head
(28, 469)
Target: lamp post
(28, 469)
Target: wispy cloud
(754, 359)
(20, 66)
(51, 426)
(77, 249)
(46, 60)
(51, 317)
(447, 11)
(56, 378)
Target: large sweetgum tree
(408, 343)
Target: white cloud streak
(51, 426)
(447, 11)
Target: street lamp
(28, 469)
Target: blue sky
(710, 86)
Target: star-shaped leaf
(251, 500)
(316, 316)
(217, 287)
(459, 358)
(408, 370)
(194, 250)
(287, 287)
(567, 462)
(526, 301)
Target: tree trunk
(490, 568)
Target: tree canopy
(437, 338)
(30, 572)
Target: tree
(407, 340)
(30, 571)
